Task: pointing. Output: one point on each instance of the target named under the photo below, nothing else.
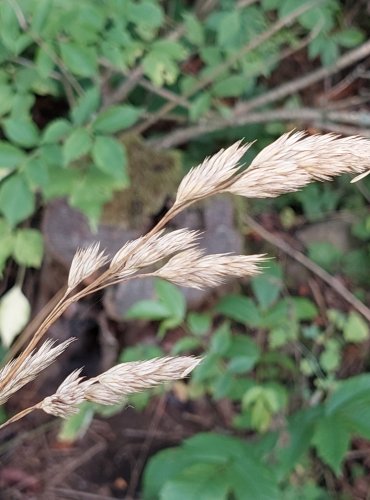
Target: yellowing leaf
(15, 312)
(355, 328)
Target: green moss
(154, 177)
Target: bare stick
(294, 86)
(333, 282)
(218, 70)
(19, 415)
(300, 115)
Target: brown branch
(300, 115)
(287, 89)
(333, 282)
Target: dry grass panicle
(288, 164)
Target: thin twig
(298, 116)
(333, 282)
(290, 88)
(19, 415)
(241, 114)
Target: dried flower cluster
(286, 165)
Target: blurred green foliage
(283, 385)
(267, 351)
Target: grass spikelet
(67, 397)
(211, 175)
(145, 252)
(195, 270)
(113, 385)
(85, 262)
(136, 376)
(295, 159)
(33, 364)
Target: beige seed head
(113, 385)
(33, 364)
(211, 175)
(85, 262)
(128, 378)
(195, 270)
(67, 397)
(295, 159)
(145, 252)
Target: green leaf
(300, 429)
(331, 439)
(221, 386)
(44, 62)
(21, 132)
(231, 86)
(171, 297)
(116, 118)
(81, 61)
(76, 426)
(77, 144)
(56, 131)
(242, 364)
(186, 344)
(355, 329)
(16, 199)
(305, 309)
(194, 29)
(6, 98)
(140, 352)
(221, 340)
(86, 106)
(349, 37)
(199, 324)
(208, 369)
(239, 308)
(28, 247)
(347, 391)
(174, 473)
(267, 287)
(229, 26)
(147, 13)
(331, 357)
(148, 309)
(40, 14)
(7, 243)
(10, 156)
(160, 68)
(109, 155)
(205, 481)
(162, 467)
(241, 345)
(199, 106)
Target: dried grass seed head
(84, 263)
(64, 402)
(295, 159)
(211, 175)
(127, 378)
(33, 364)
(195, 270)
(112, 386)
(144, 252)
